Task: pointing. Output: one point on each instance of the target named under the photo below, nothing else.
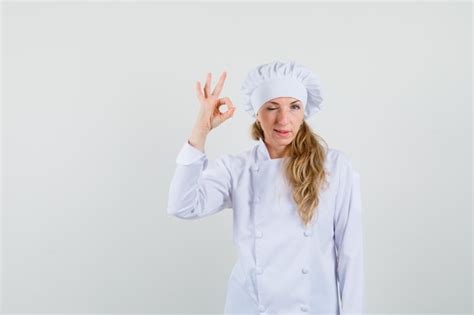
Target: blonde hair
(303, 167)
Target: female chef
(297, 216)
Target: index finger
(226, 100)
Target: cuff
(189, 154)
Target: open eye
(297, 106)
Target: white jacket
(283, 267)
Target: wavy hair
(304, 168)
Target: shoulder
(343, 165)
(236, 161)
(337, 157)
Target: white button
(261, 308)
(257, 199)
(259, 271)
(258, 234)
(308, 233)
(304, 270)
(255, 168)
(304, 308)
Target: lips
(282, 132)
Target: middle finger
(220, 84)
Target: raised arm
(200, 187)
(348, 240)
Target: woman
(296, 203)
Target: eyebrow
(279, 104)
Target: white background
(98, 98)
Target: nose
(282, 117)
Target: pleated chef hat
(281, 79)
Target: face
(280, 119)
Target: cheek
(266, 121)
(297, 125)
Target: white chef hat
(281, 79)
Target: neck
(275, 152)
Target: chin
(282, 141)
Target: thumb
(229, 113)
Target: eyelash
(291, 105)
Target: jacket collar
(262, 151)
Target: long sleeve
(199, 187)
(349, 241)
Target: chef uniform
(284, 267)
